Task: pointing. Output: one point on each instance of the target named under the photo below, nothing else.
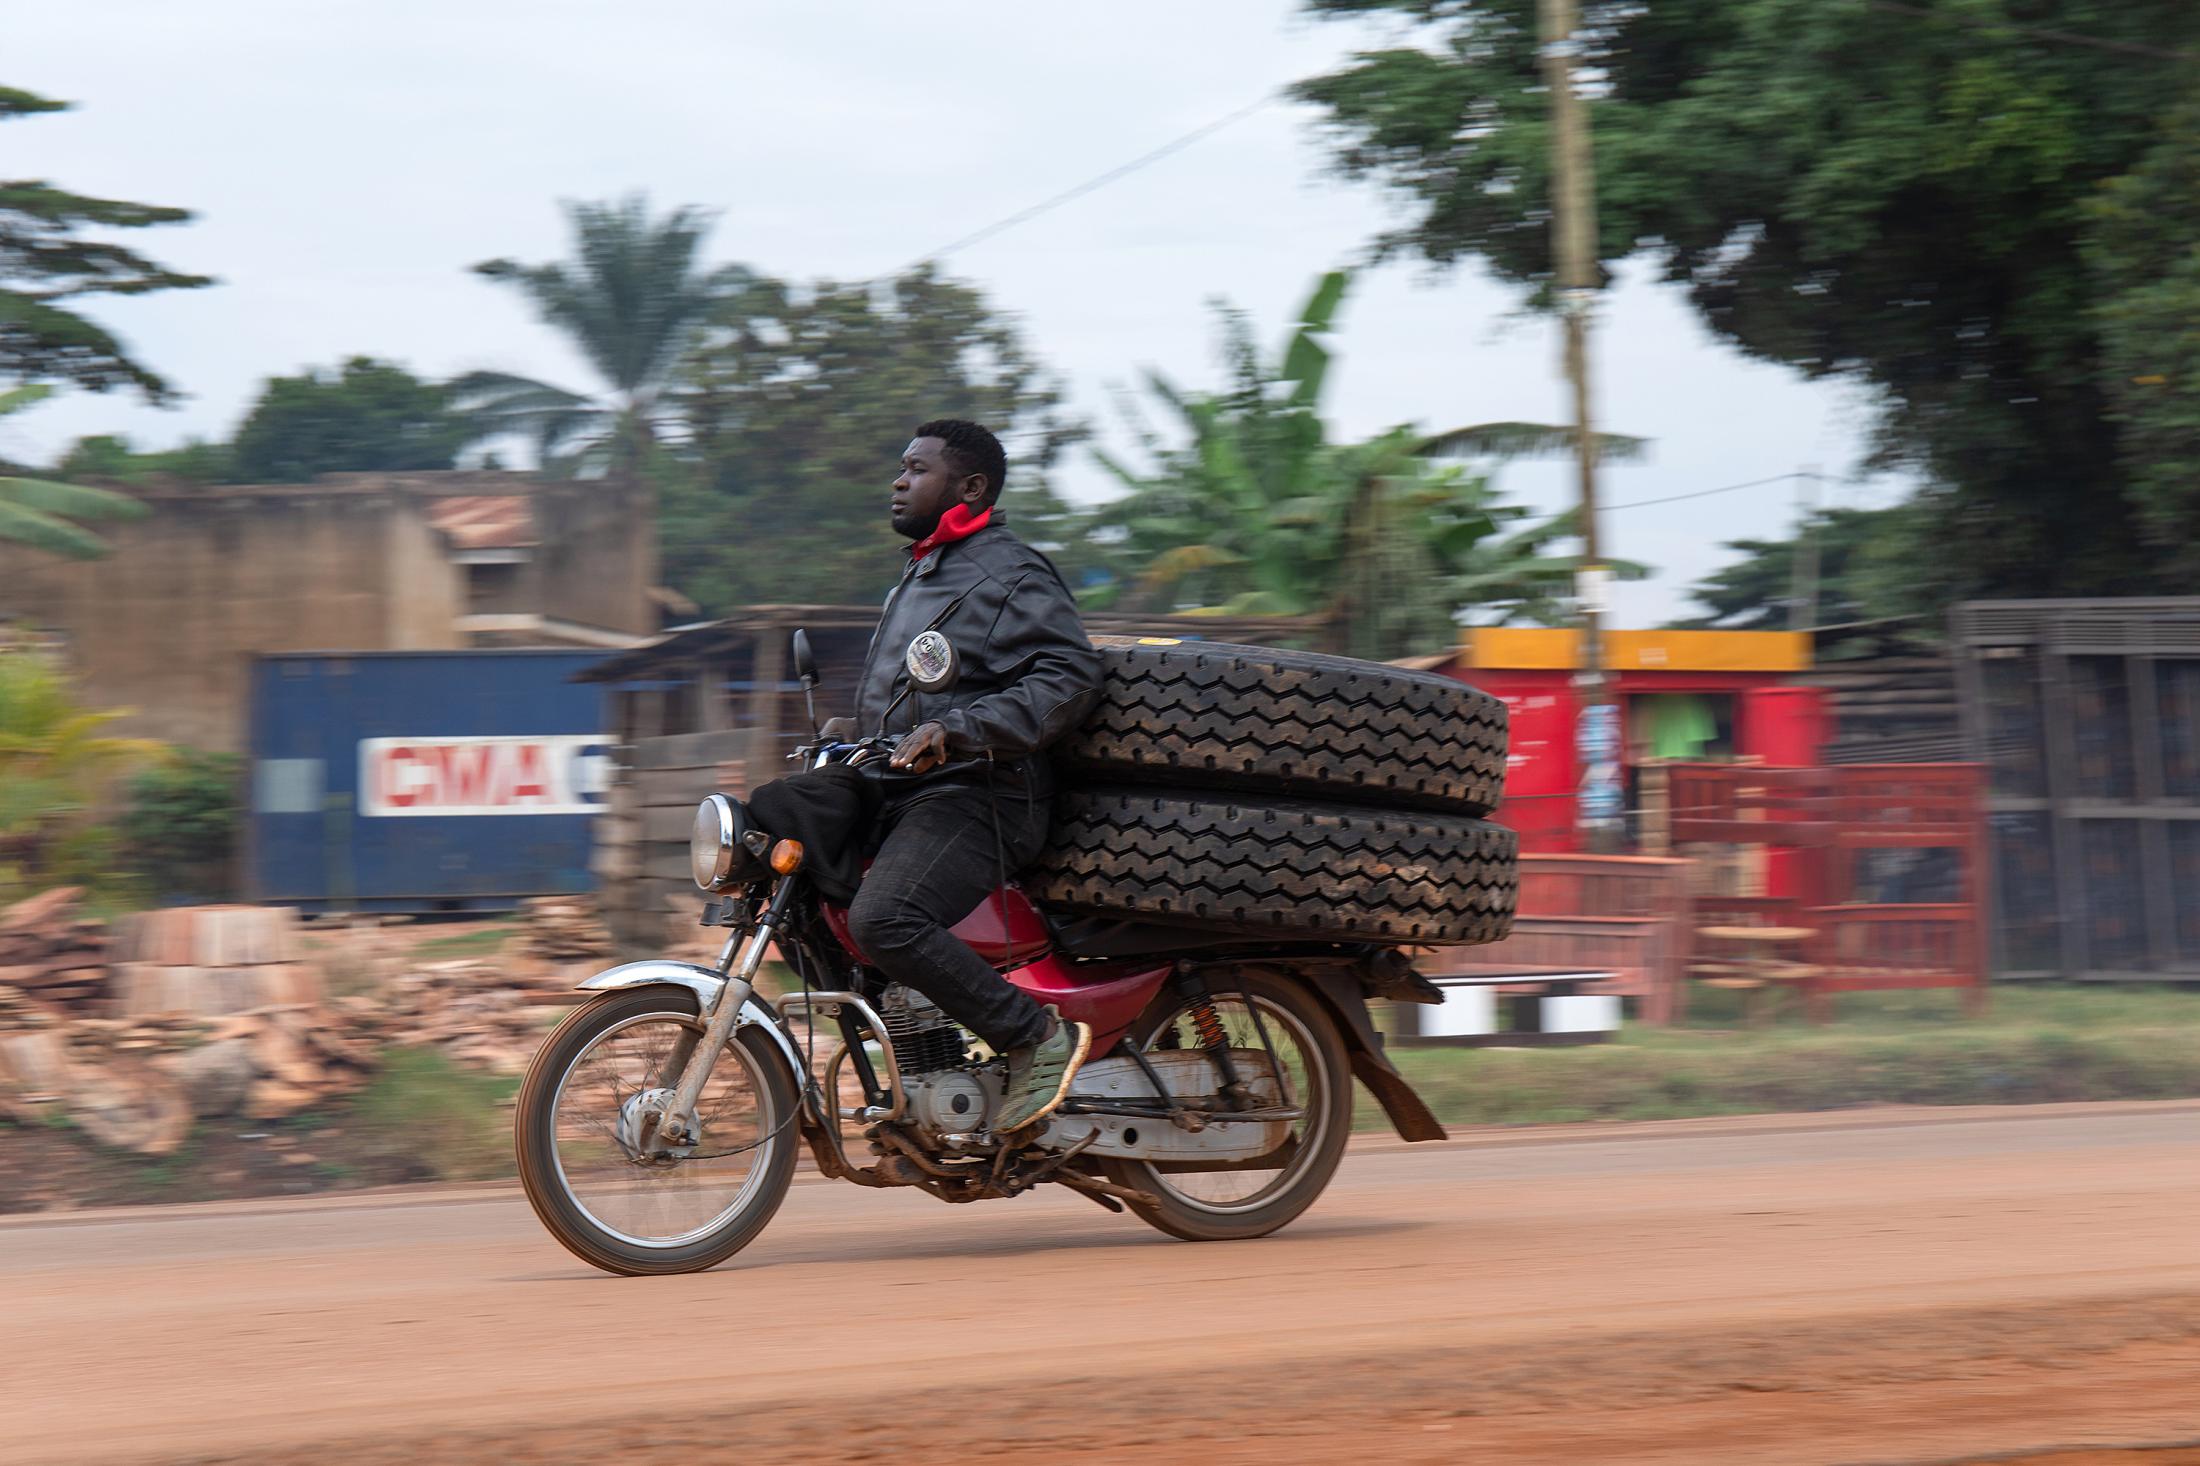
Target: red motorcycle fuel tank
(1008, 931)
(1106, 997)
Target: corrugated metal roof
(485, 521)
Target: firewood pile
(272, 1063)
(471, 1010)
(137, 1083)
(563, 929)
(49, 950)
(213, 1011)
(50, 1062)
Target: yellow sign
(1529, 648)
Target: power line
(1098, 181)
(2037, 32)
(1755, 483)
(1178, 144)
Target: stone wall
(168, 623)
(597, 559)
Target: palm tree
(42, 514)
(633, 298)
(1254, 511)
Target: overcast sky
(349, 158)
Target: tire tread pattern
(1213, 714)
(1280, 868)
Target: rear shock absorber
(1207, 1024)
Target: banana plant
(57, 765)
(1251, 509)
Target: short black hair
(971, 448)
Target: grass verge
(480, 942)
(433, 1120)
(424, 1118)
(2035, 1046)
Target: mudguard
(1339, 988)
(706, 983)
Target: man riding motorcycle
(965, 797)
(1215, 956)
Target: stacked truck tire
(1284, 794)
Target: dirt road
(1804, 1291)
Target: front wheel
(577, 1113)
(1251, 1199)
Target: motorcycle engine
(950, 1103)
(947, 1095)
(924, 1038)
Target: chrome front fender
(706, 983)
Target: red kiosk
(1683, 695)
(1740, 743)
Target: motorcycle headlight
(714, 846)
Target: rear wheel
(575, 1129)
(1251, 1199)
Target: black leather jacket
(1029, 672)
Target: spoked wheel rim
(659, 1205)
(1306, 1066)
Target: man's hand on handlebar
(922, 751)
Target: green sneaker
(1039, 1074)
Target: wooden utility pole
(1803, 594)
(1599, 816)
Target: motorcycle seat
(1091, 938)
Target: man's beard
(910, 527)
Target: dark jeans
(939, 860)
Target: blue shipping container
(424, 781)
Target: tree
(185, 815)
(1255, 511)
(1870, 566)
(45, 266)
(2145, 253)
(363, 416)
(633, 299)
(110, 458)
(366, 415)
(42, 514)
(1951, 209)
(795, 410)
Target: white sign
(558, 774)
(1593, 588)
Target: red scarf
(960, 522)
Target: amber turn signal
(787, 857)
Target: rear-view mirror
(805, 662)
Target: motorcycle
(657, 1127)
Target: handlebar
(818, 755)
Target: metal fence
(2087, 714)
